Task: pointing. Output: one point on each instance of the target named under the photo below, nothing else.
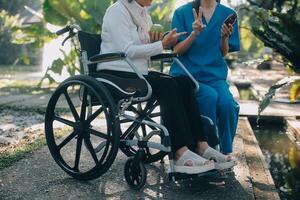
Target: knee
(228, 105)
(209, 96)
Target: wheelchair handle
(63, 30)
(72, 29)
(68, 28)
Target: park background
(264, 73)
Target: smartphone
(230, 19)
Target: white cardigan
(119, 33)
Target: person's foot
(222, 161)
(191, 163)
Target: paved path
(39, 177)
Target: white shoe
(192, 163)
(222, 161)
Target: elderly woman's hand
(198, 25)
(171, 38)
(155, 36)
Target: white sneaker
(192, 163)
(222, 161)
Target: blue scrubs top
(204, 58)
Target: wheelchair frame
(135, 163)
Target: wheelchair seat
(121, 87)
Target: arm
(230, 39)
(198, 26)
(183, 46)
(224, 45)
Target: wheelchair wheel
(82, 128)
(135, 174)
(151, 113)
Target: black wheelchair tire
(101, 94)
(135, 174)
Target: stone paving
(38, 177)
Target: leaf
(57, 66)
(272, 90)
(25, 59)
(53, 16)
(295, 90)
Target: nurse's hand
(171, 38)
(198, 25)
(226, 31)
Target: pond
(281, 155)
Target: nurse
(202, 51)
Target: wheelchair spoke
(72, 107)
(130, 130)
(83, 105)
(94, 115)
(144, 134)
(99, 134)
(78, 151)
(68, 139)
(64, 121)
(144, 130)
(91, 149)
(132, 109)
(100, 146)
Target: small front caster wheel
(135, 174)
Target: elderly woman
(125, 28)
(202, 50)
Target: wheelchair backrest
(91, 44)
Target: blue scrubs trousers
(216, 102)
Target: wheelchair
(92, 115)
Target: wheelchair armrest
(107, 57)
(165, 57)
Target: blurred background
(265, 72)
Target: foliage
(8, 23)
(88, 14)
(161, 12)
(251, 46)
(273, 89)
(277, 24)
(295, 90)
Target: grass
(18, 153)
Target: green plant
(277, 24)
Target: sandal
(192, 163)
(221, 161)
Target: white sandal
(197, 163)
(222, 161)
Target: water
(282, 157)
